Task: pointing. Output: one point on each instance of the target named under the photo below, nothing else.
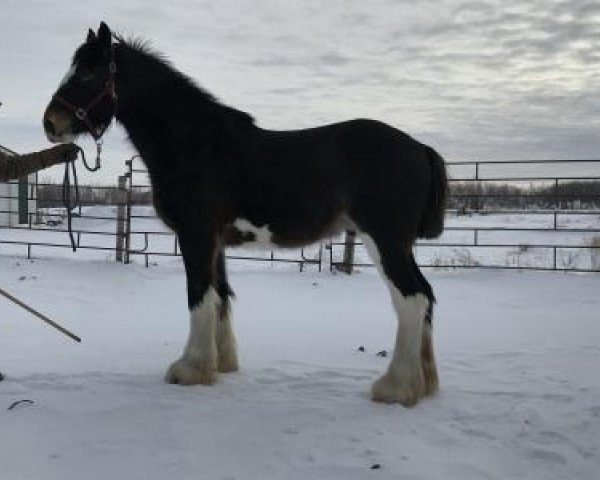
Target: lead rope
(68, 187)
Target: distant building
(17, 199)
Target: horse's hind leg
(404, 381)
(427, 354)
(226, 346)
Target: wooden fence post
(348, 261)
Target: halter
(96, 131)
(81, 112)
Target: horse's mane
(144, 48)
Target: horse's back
(364, 157)
(359, 148)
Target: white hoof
(405, 389)
(189, 371)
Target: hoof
(403, 389)
(191, 372)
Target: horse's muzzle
(57, 126)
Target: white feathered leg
(404, 381)
(198, 364)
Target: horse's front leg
(198, 364)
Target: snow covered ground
(518, 355)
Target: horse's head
(85, 101)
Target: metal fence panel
(512, 215)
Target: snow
(517, 353)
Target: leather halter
(82, 112)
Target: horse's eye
(87, 77)
(84, 75)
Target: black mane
(148, 56)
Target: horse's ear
(104, 38)
(91, 37)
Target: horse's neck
(140, 121)
(152, 119)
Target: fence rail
(548, 226)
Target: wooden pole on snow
(39, 315)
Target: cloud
(479, 79)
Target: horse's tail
(432, 222)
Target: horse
(218, 180)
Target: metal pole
(121, 199)
(331, 254)
(320, 256)
(128, 214)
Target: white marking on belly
(263, 236)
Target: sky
(478, 80)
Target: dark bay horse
(218, 179)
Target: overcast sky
(477, 80)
